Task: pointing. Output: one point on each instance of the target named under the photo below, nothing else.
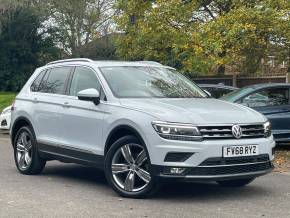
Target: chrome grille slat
(225, 131)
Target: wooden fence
(241, 81)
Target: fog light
(176, 170)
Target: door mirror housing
(89, 95)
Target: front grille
(225, 131)
(215, 161)
(223, 170)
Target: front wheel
(127, 168)
(236, 182)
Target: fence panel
(242, 81)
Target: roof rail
(150, 62)
(70, 60)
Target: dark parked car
(217, 90)
(272, 100)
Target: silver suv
(141, 122)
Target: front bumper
(214, 173)
(204, 160)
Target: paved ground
(68, 190)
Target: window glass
(55, 81)
(217, 92)
(268, 97)
(83, 78)
(156, 82)
(233, 96)
(221, 92)
(35, 85)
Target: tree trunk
(221, 70)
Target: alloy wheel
(130, 168)
(24, 151)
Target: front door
(83, 120)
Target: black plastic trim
(177, 156)
(13, 133)
(158, 171)
(70, 155)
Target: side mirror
(89, 95)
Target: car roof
(106, 63)
(268, 85)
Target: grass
(6, 99)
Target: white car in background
(5, 118)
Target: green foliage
(6, 99)
(204, 36)
(24, 44)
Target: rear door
(274, 103)
(47, 105)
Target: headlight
(267, 129)
(177, 131)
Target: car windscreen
(150, 82)
(235, 95)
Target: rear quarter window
(36, 83)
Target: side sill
(70, 155)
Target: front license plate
(240, 151)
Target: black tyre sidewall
(148, 190)
(37, 164)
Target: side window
(223, 91)
(84, 78)
(35, 85)
(55, 81)
(268, 97)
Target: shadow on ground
(72, 173)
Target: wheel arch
(17, 124)
(120, 131)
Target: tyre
(127, 168)
(235, 183)
(26, 155)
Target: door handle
(66, 104)
(35, 100)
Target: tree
(103, 48)
(78, 22)
(204, 35)
(24, 44)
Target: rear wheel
(127, 168)
(235, 183)
(26, 155)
